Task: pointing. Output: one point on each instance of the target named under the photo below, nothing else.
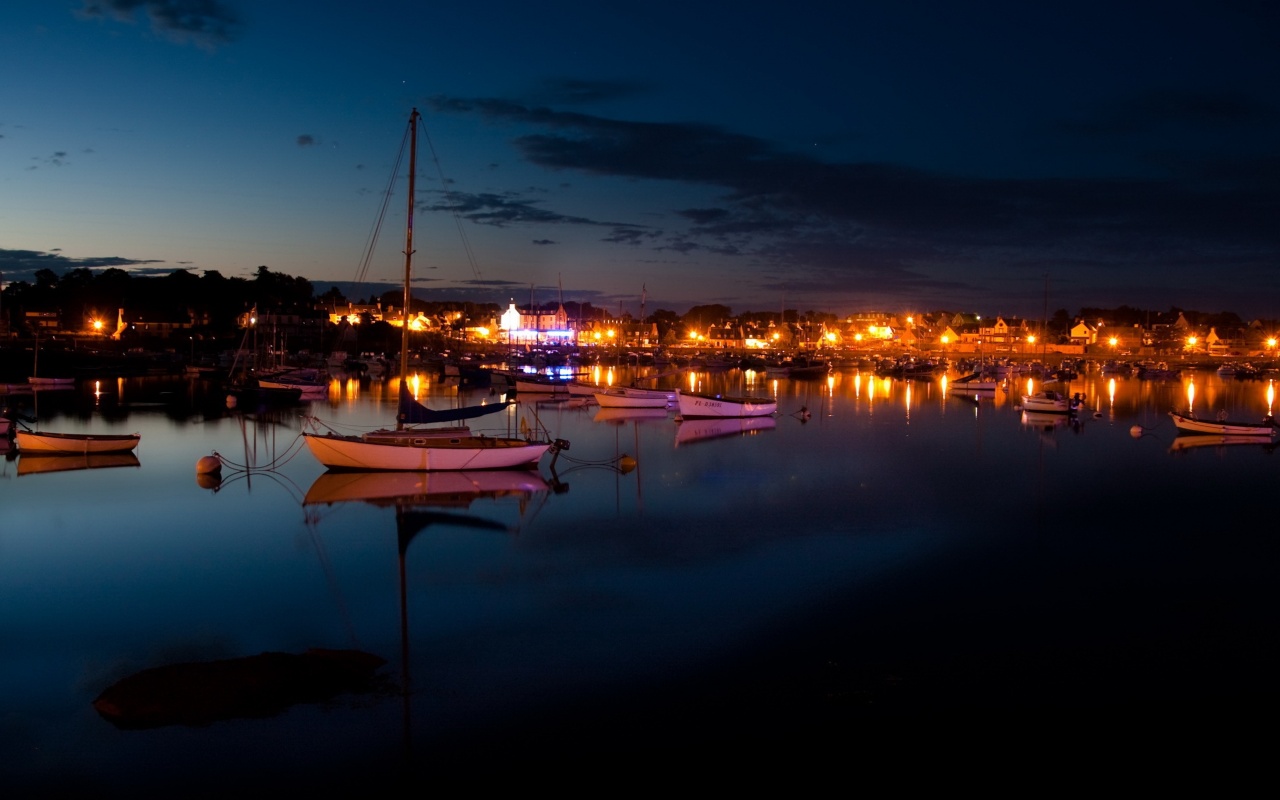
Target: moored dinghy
(44, 442)
(630, 397)
(1052, 402)
(697, 406)
(1186, 423)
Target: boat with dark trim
(410, 446)
(1050, 401)
(82, 443)
(1186, 423)
(632, 397)
(720, 406)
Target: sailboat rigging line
(292, 488)
(453, 203)
(371, 244)
(294, 448)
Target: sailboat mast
(408, 245)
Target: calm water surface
(880, 556)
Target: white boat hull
(37, 442)
(1051, 403)
(1220, 427)
(425, 453)
(625, 399)
(710, 406)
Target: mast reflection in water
(803, 589)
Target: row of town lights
(98, 326)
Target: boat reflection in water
(620, 415)
(35, 464)
(416, 496)
(697, 430)
(408, 489)
(1046, 421)
(1182, 444)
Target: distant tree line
(213, 304)
(211, 301)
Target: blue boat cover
(414, 413)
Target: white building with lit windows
(536, 327)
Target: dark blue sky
(834, 157)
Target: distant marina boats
(37, 381)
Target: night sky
(836, 157)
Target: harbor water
(883, 558)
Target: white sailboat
(413, 448)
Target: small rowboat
(631, 397)
(714, 406)
(1185, 423)
(41, 442)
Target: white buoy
(1136, 431)
(209, 465)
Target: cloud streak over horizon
(881, 158)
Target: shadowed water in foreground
(893, 574)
